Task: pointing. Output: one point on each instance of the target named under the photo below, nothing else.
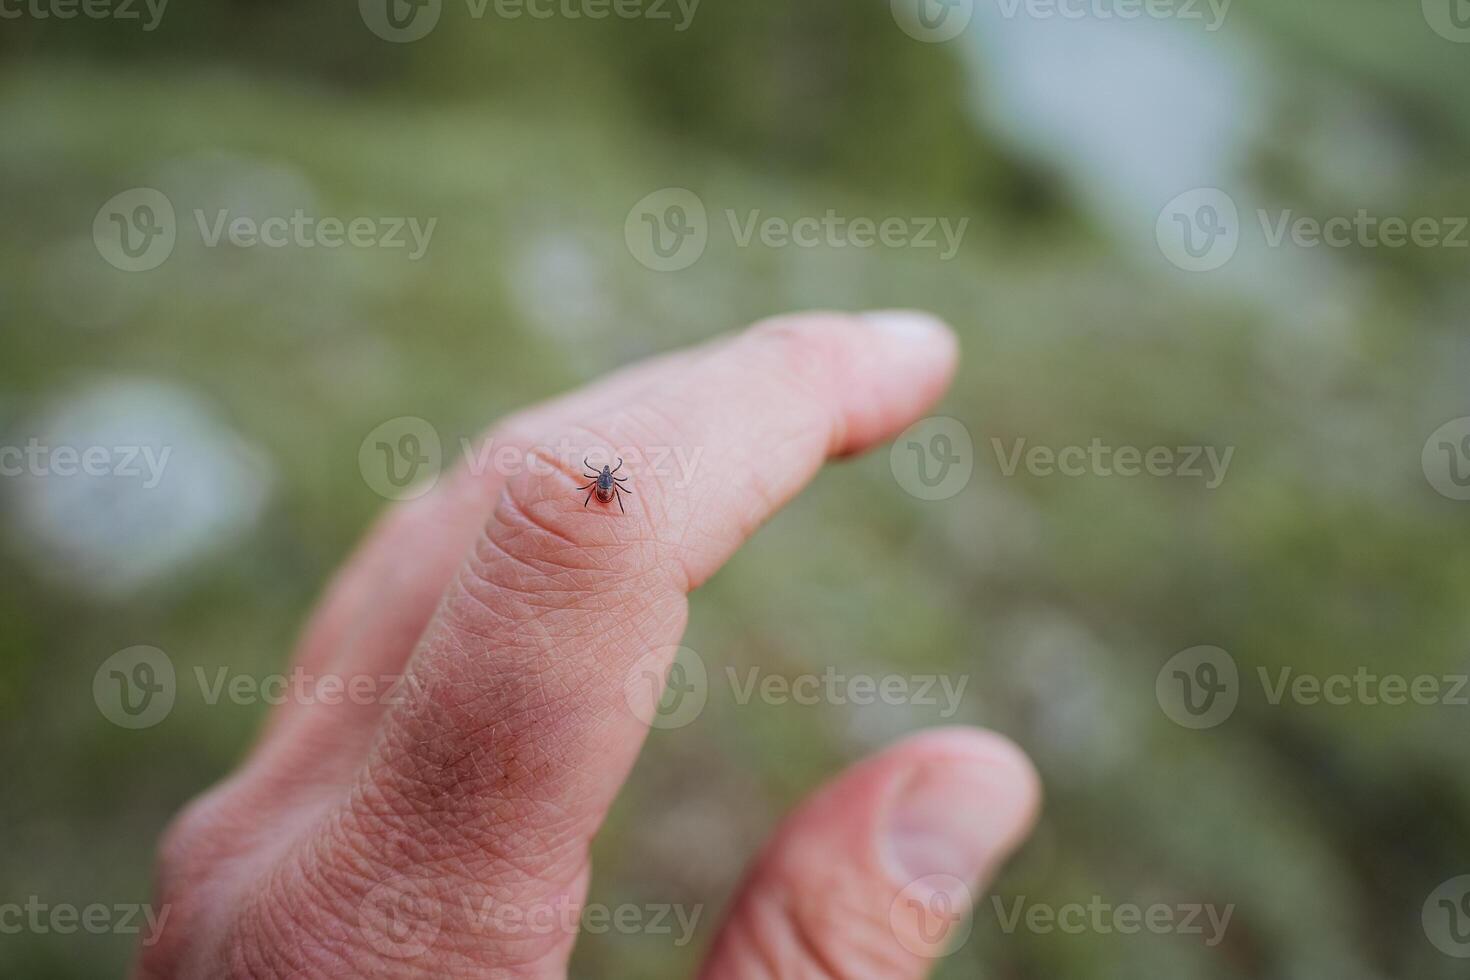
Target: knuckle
(544, 549)
(807, 345)
(295, 924)
(192, 844)
(456, 758)
(190, 852)
(532, 523)
(821, 929)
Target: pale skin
(350, 840)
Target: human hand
(515, 614)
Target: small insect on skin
(604, 485)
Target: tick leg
(619, 466)
(585, 463)
(589, 497)
(622, 488)
(621, 479)
(592, 484)
(620, 502)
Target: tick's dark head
(605, 478)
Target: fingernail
(950, 817)
(907, 325)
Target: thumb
(872, 875)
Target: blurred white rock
(120, 483)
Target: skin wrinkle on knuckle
(201, 846)
(809, 345)
(461, 739)
(530, 636)
(181, 850)
(783, 943)
(824, 934)
(811, 359)
(536, 525)
(656, 541)
(203, 858)
(436, 763)
(491, 832)
(384, 823)
(501, 878)
(530, 686)
(523, 571)
(757, 945)
(830, 926)
(479, 852)
(502, 560)
(279, 931)
(520, 530)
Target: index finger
(517, 734)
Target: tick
(604, 485)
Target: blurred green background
(1059, 599)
